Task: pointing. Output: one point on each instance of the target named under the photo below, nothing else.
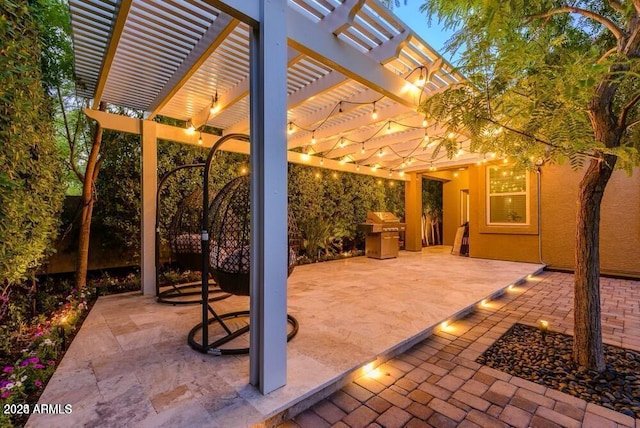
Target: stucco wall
(517, 243)
(619, 227)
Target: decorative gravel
(524, 352)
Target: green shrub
(31, 187)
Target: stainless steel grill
(383, 234)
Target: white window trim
(527, 194)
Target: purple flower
(4, 383)
(25, 363)
(37, 383)
(51, 362)
(6, 394)
(7, 369)
(38, 366)
(38, 333)
(33, 360)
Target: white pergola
(329, 83)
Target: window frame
(488, 195)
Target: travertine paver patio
(438, 383)
(130, 364)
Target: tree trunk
(588, 350)
(88, 198)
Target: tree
(551, 80)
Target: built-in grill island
(383, 234)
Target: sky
(411, 15)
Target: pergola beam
(114, 41)
(215, 34)
(312, 40)
(132, 125)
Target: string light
(321, 161)
(200, 139)
(214, 104)
(343, 142)
(421, 80)
(190, 128)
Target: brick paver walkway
(438, 383)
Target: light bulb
(362, 149)
(200, 139)
(313, 138)
(321, 161)
(389, 128)
(190, 128)
(290, 131)
(421, 80)
(424, 122)
(380, 153)
(374, 112)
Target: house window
(508, 196)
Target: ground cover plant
(37, 330)
(545, 358)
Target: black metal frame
(177, 293)
(214, 347)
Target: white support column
(268, 360)
(148, 186)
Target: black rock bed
(523, 352)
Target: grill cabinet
(383, 234)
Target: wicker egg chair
(228, 224)
(184, 240)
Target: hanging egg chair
(228, 226)
(184, 239)
(229, 230)
(184, 232)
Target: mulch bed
(524, 352)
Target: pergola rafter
(352, 51)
